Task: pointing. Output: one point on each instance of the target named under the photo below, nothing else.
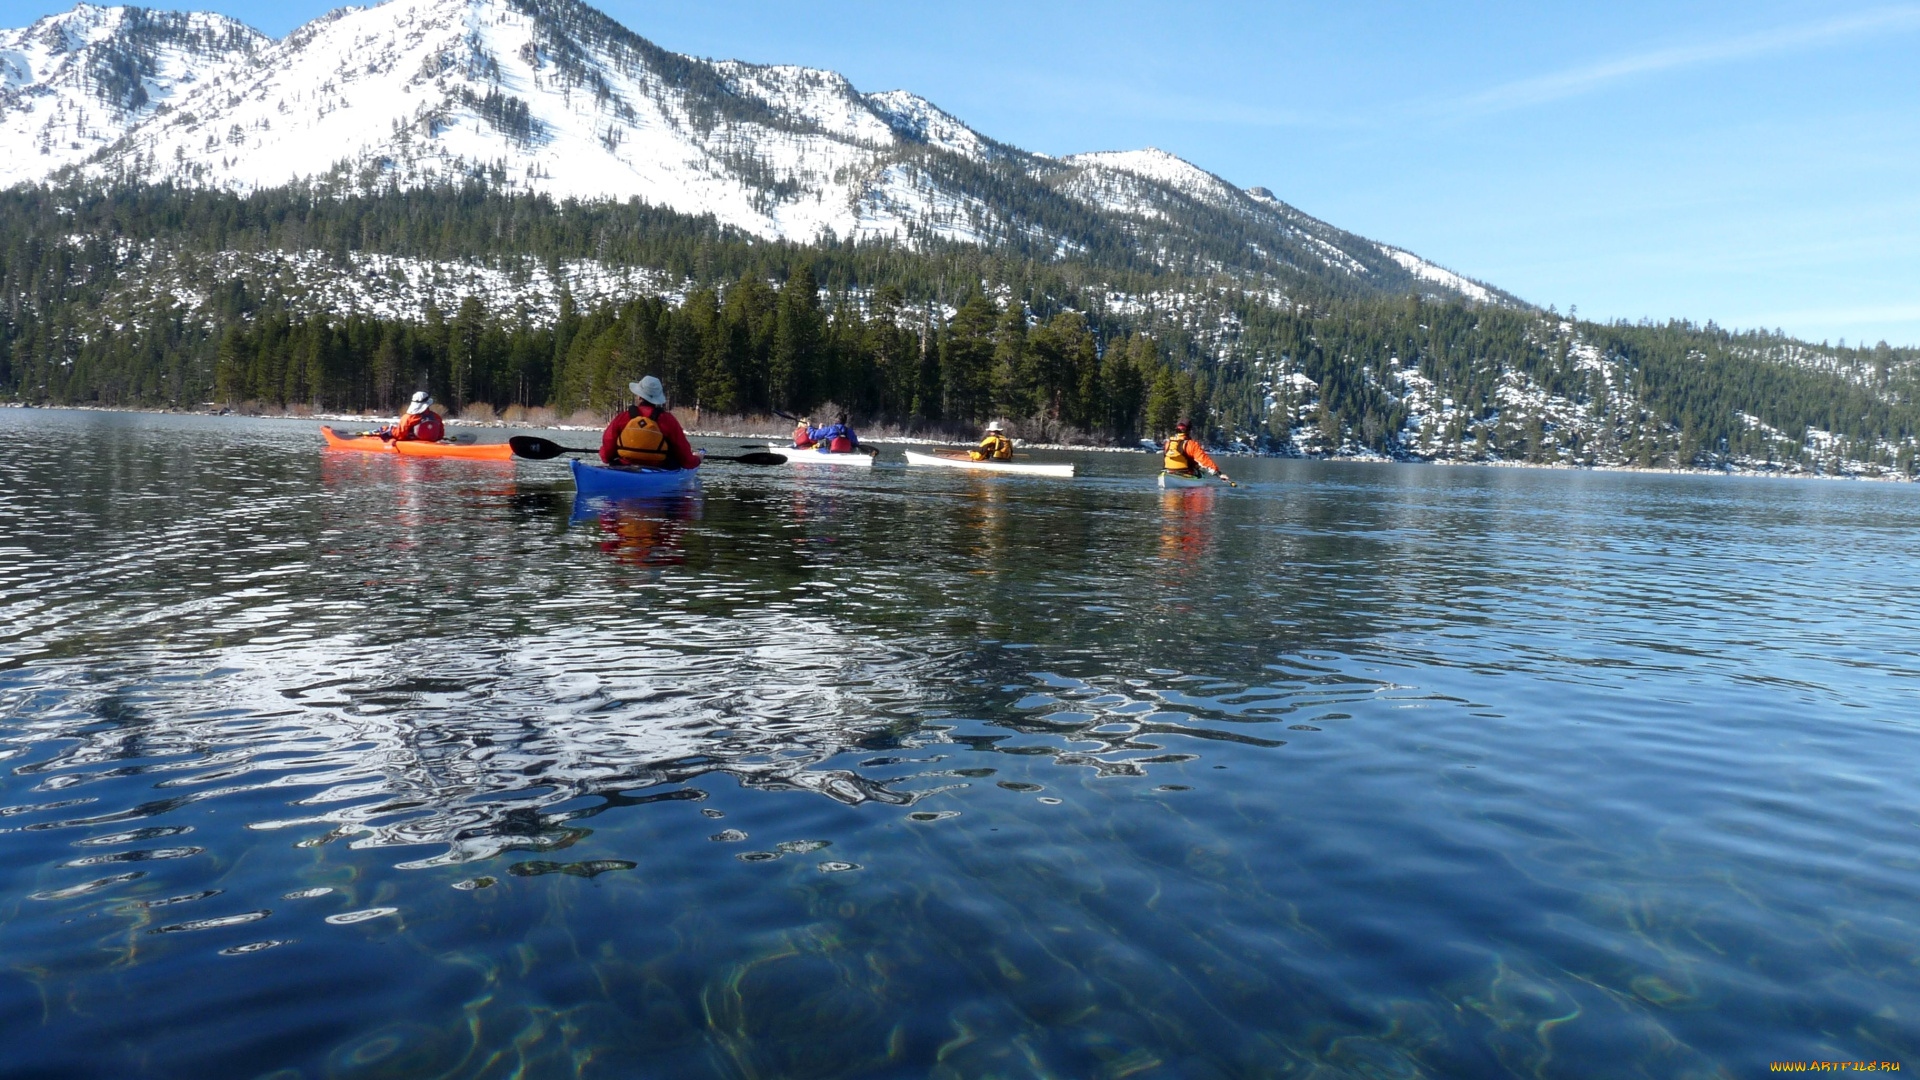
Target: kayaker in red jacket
(419, 424)
(647, 434)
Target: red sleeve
(611, 436)
(676, 435)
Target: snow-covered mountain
(553, 96)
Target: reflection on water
(339, 765)
(1186, 526)
(642, 532)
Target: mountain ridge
(553, 96)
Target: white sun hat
(649, 390)
(421, 402)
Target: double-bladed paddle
(535, 448)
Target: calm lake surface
(335, 765)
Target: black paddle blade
(762, 458)
(535, 448)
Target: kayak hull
(1177, 480)
(1012, 468)
(373, 444)
(856, 460)
(463, 451)
(601, 482)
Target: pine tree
(796, 346)
(967, 360)
(1013, 381)
(1163, 404)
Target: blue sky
(1753, 163)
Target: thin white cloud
(1107, 98)
(1586, 79)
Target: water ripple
(1357, 771)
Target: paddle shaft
(538, 449)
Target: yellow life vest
(1177, 459)
(994, 448)
(642, 443)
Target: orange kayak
(375, 444)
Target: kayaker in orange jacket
(1186, 456)
(647, 434)
(419, 424)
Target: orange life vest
(642, 442)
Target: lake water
(335, 765)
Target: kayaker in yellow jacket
(995, 447)
(1185, 456)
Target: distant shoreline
(907, 440)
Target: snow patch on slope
(1163, 168)
(1446, 279)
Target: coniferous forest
(156, 297)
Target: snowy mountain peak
(920, 120)
(73, 83)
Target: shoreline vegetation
(775, 430)
(142, 297)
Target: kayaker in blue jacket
(836, 438)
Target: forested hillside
(153, 296)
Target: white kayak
(1181, 480)
(859, 459)
(1018, 468)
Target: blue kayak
(599, 481)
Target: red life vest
(841, 445)
(420, 427)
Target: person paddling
(1186, 456)
(803, 434)
(995, 447)
(835, 438)
(647, 435)
(418, 424)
